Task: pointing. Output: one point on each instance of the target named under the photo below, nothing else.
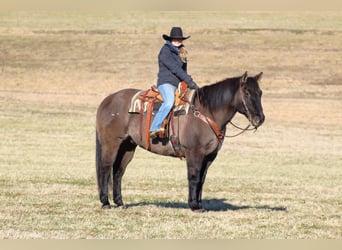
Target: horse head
(249, 103)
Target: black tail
(98, 157)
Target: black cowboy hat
(176, 32)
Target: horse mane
(220, 93)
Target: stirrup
(154, 134)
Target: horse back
(114, 106)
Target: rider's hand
(192, 85)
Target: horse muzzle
(258, 120)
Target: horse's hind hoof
(107, 206)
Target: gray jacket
(171, 68)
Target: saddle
(147, 102)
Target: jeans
(167, 91)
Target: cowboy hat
(176, 32)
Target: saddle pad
(137, 105)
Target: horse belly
(161, 148)
(157, 145)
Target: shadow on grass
(210, 205)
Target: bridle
(220, 134)
(249, 119)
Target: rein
(243, 130)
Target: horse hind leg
(105, 155)
(124, 156)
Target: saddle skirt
(145, 101)
(142, 99)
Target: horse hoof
(107, 206)
(122, 206)
(200, 210)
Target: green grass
(49, 190)
(282, 182)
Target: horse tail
(98, 158)
(99, 163)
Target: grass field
(282, 182)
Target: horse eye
(246, 93)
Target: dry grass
(282, 182)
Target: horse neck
(223, 109)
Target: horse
(201, 133)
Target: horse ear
(259, 76)
(243, 78)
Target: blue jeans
(167, 91)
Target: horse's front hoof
(196, 207)
(200, 210)
(122, 206)
(118, 203)
(106, 206)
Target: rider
(172, 70)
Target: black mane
(221, 93)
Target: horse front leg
(197, 171)
(195, 182)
